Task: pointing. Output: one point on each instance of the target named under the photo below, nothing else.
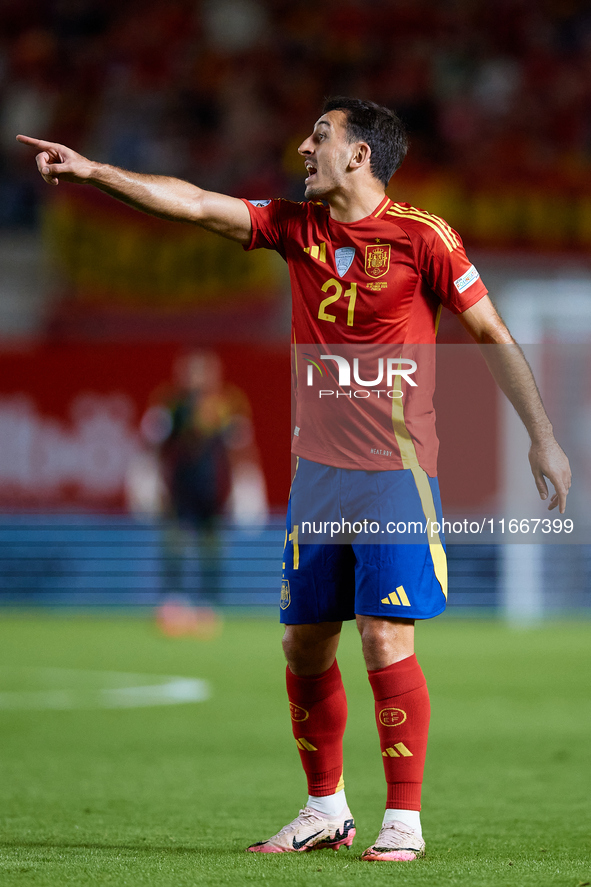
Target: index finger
(559, 497)
(35, 143)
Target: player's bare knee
(310, 649)
(385, 641)
(292, 650)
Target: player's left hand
(548, 460)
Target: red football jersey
(373, 289)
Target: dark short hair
(380, 127)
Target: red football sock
(318, 707)
(402, 716)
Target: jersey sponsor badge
(260, 202)
(344, 256)
(467, 279)
(377, 259)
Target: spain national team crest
(298, 713)
(377, 259)
(392, 717)
(285, 595)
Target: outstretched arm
(162, 196)
(514, 376)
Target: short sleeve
(275, 223)
(447, 269)
(266, 228)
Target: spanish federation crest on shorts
(344, 256)
(285, 595)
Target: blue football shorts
(363, 563)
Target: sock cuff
(404, 796)
(396, 679)
(321, 785)
(313, 688)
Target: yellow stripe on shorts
(408, 454)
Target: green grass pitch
(171, 794)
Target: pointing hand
(56, 162)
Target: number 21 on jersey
(350, 294)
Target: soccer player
(365, 271)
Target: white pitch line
(176, 692)
(129, 690)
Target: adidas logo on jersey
(317, 251)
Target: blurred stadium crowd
(220, 91)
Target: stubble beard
(312, 193)
(323, 192)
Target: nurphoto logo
(388, 369)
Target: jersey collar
(381, 208)
(378, 211)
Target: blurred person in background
(350, 232)
(201, 465)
